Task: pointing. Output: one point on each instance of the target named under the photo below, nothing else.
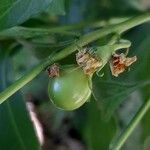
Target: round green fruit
(71, 89)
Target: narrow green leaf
(16, 130)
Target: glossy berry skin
(71, 89)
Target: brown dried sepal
(87, 62)
(119, 62)
(53, 70)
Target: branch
(127, 132)
(27, 32)
(85, 39)
(24, 32)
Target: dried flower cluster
(90, 63)
(87, 61)
(119, 62)
(53, 70)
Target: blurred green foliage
(16, 128)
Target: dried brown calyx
(53, 70)
(88, 62)
(119, 62)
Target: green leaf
(110, 94)
(98, 133)
(16, 130)
(57, 7)
(14, 12)
(141, 47)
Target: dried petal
(87, 62)
(119, 62)
(53, 70)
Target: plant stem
(85, 39)
(126, 133)
(24, 32)
(93, 24)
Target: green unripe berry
(71, 89)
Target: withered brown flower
(53, 70)
(119, 62)
(88, 62)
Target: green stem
(84, 40)
(93, 24)
(127, 132)
(122, 45)
(24, 32)
(104, 52)
(21, 82)
(123, 26)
